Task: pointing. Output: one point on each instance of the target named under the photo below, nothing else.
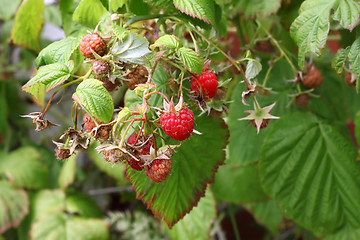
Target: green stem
(233, 222)
(282, 52)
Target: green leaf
(247, 186)
(71, 28)
(252, 69)
(14, 206)
(89, 12)
(28, 23)
(167, 41)
(62, 226)
(23, 171)
(190, 59)
(132, 49)
(196, 224)
(311, 28)
(193, 167)
(38, 92)
(116, 4)
(67, 173)
(93, 97)
(267, 214)
(357, 126)
(347, 12)
(254, 8)
(160, 3)
(116, 171)
(339, 60)
(202, 9)
(82, 205)
(310, 170)
(244, 142)
(59, 51)
(331, 104)
(51, 75)
(7, 12)
(119, 32)
(354, 56)
(49, 202)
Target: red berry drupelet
(95, 42)
(141, 148)
(89, 123)
(208, 85)
(178, 124)
(158, 170)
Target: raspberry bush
(204, 108)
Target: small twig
(110, 190)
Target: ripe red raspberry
(62, 153)
(136, 76)
(313, 78)
(101, 67)
(178, 124)
(208, 85)
(158, 170)
(140, 148)
(95, 42)
(89, 123)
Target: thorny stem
(180, 92)
(194, 41)
(126, 131)
(65, 86)
(267, 76)
(257, 106)
(282, 52)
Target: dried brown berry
(114, 155)
(62, 153)
(302, 100)
(108, 84)
(313, 78)
(264, 123)
(136, 76)
(350, 79)
(101, 67)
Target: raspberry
(94, 42)
(62, 153)
(264, 123)
(302, 100)
(178, 124)
(89, 123)
(136, 76)
(349, 78)
(313, 78)
(158, 170)
(208, 85)
(114, 155)
(141, 147)
(108, 84)
(101, 67)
